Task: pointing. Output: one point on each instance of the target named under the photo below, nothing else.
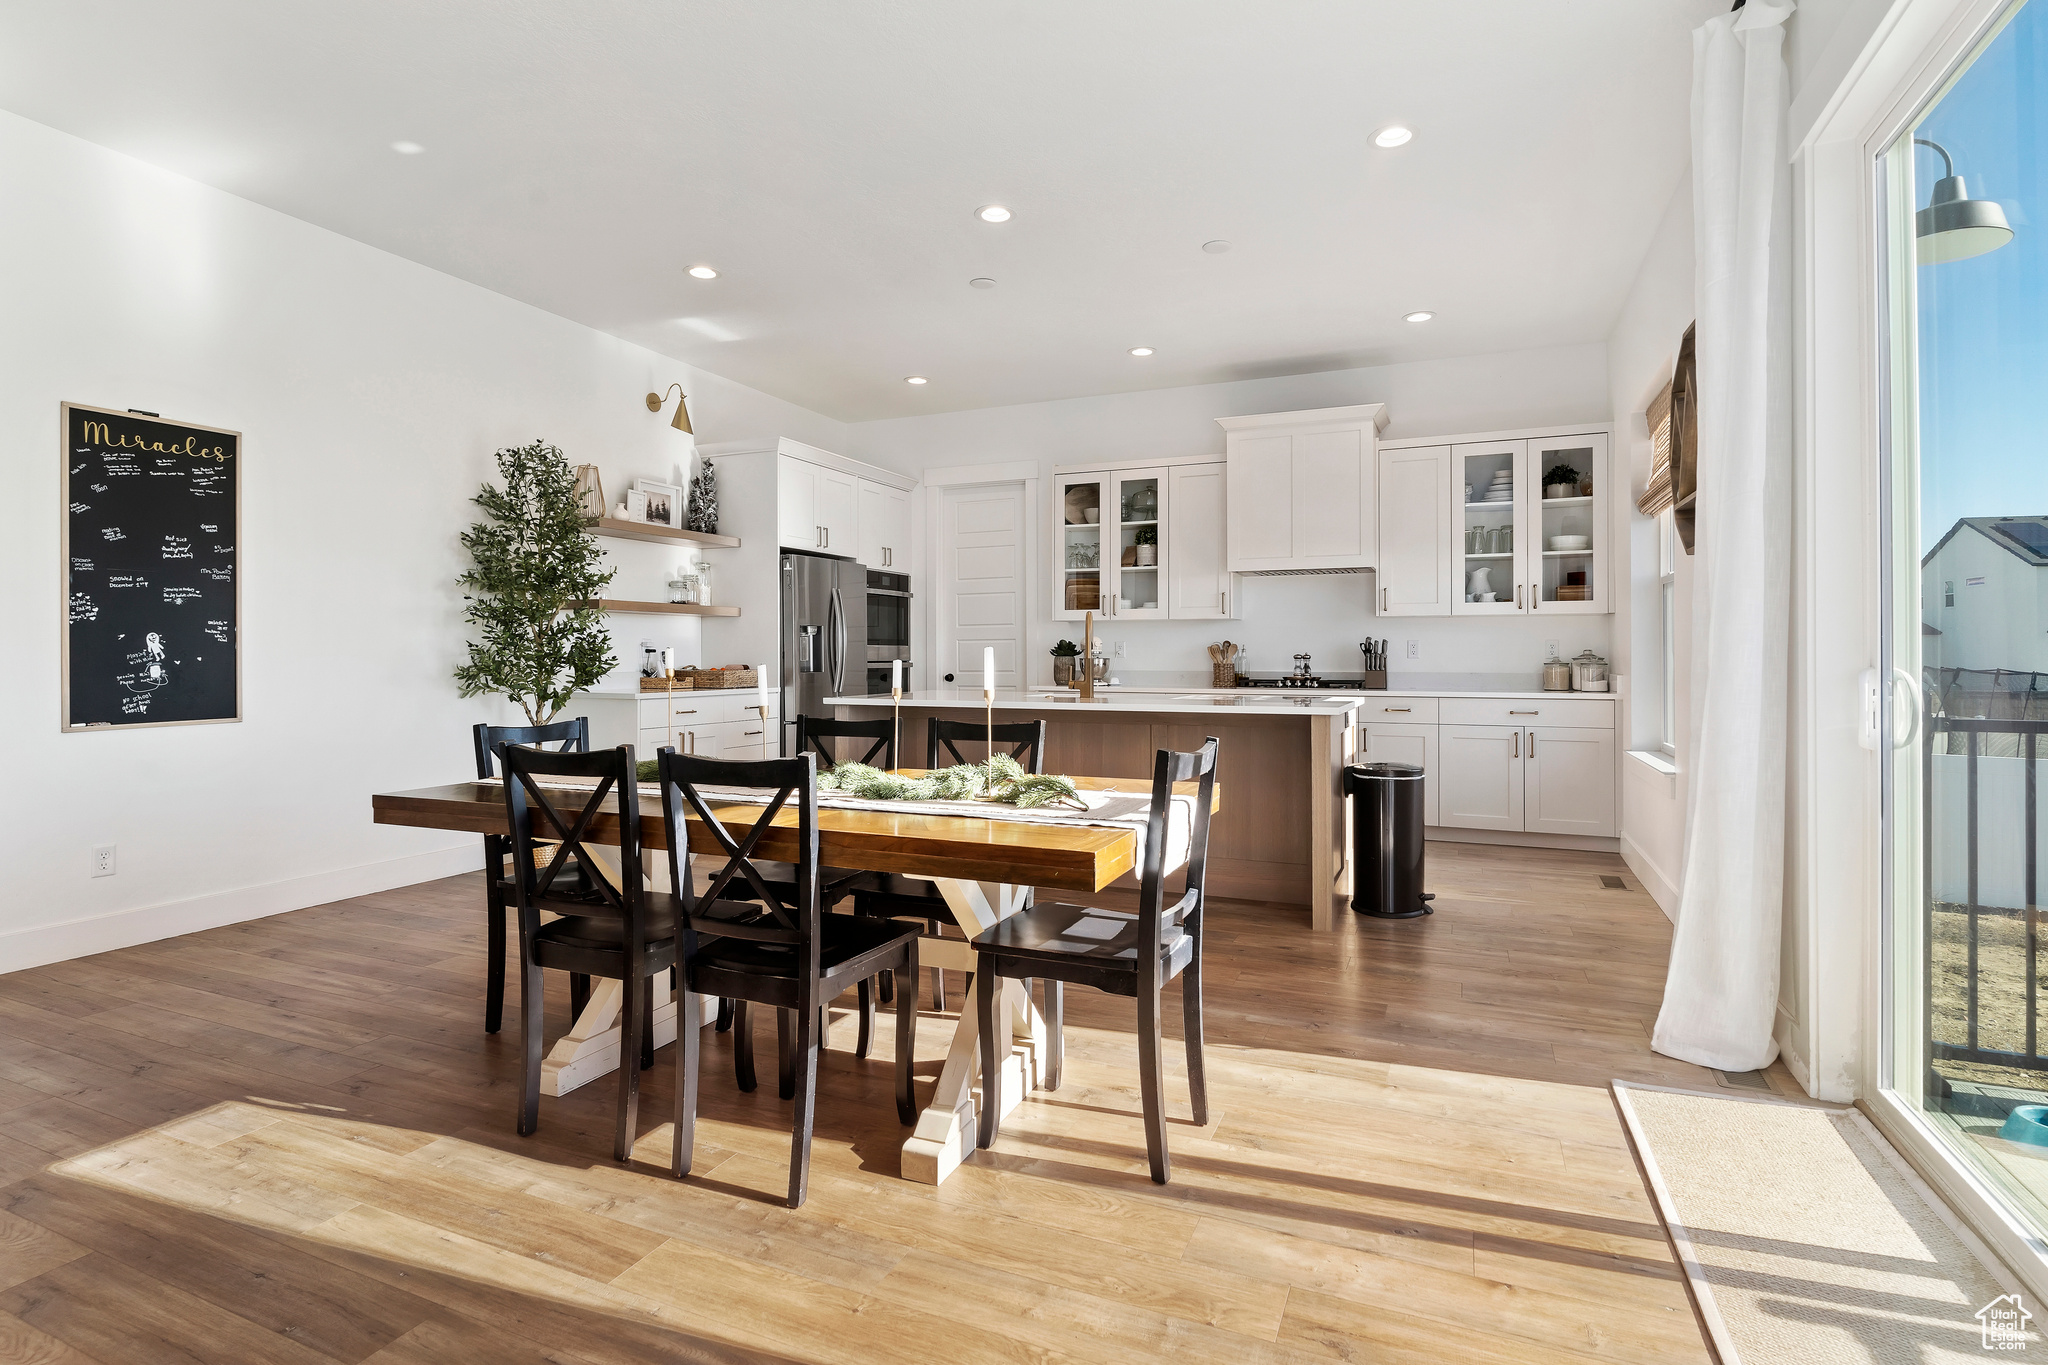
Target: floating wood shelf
(659, 535)
(613, 604)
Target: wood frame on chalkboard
(64, 411)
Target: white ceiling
(827, 157)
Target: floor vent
(1613, 883)
(1744, 1080)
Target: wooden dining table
(983, 867)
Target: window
(1948, 593)
(1667, 598)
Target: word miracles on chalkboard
(152, 512)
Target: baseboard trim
(41, 944)
(1652, 877)
(1514, 838)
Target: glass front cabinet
(1529, 532)
(1112, 555)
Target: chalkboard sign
(152, 514)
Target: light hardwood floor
(291, 1141)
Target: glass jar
(1557, 675)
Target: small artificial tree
(529, 561)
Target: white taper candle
(988, 668)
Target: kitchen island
(1279, 835)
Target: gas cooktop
(1310, 682)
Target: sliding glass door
(1965, 233)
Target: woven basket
(1223, 673)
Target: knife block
(1375, 681)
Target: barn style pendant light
(1953, 226)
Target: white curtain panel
(1720, 996)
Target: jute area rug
(1806, 1240)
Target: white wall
(1640, 353)
(1278, 616)
(371, 394)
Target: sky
(1984, 321)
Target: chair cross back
(526, 798)
(813, 731)
(769, 920)
(491, 740)
(1026, 739)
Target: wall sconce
(682, 419)
(1953, 226)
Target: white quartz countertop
(1194, 701)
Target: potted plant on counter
(1063, 655)
(532, 563)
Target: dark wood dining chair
(569, 736)
(789, 956)
(892, 895)
(606, 929)
(1123, 954)
(813, 734)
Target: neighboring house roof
(2026, 537)
(1926, 629)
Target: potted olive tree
(531, 563)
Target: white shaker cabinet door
(1414, 571)
(1198, 583)
(1401, 742)
(839, 512)
(1261, 501)
(796, 504)
(1333, 496)
(1570, 781)
(1482, 776)
(873, 523)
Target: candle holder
(988, 699)
(896, 743)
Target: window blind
(1657, 496)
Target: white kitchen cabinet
(1139, 500)
(884, 526)
(1569, 781)
(1301, 489)
(1530, 553)
(1399, 742)
(1413, 569)
(1200, 586)
(838, 507)
(796, 504)
(1482, 786)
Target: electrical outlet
(1550, 649)
(103, 861)
(1119, 650)
(1415, 649)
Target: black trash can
(1386, 840)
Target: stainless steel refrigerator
(824, 635)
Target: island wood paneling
(1260, 843)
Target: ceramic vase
(1480, 582)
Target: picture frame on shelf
(663, 501)
(636, 505)
(589, 492)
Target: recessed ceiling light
(1417, 317)
(1217, 247)
(1393, 135)
(1141, 350)
(916, 379)
(407, 148)
(992, 213)
(703, 272)
(982, 282)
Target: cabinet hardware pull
(1525, 713)
(686, 713)
(1532, 744)
(1518, 744)
(1383, 601)
(1390, 710)
(1535, 597)
(1518, 597)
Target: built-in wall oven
(888, 628)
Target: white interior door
(981, 584)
